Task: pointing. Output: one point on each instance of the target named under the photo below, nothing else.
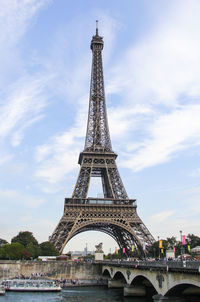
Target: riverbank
(58, 270)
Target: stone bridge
(162, 280)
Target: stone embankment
(50, 269)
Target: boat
(2, 290)
(31, 285)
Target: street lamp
(181, 243)
(158, 247)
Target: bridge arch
(183, 287)
(119, 276)
(106, 273)
(143, 280)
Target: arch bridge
(162, 280)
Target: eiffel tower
(115, 214)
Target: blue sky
(151, 68)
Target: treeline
(158, 248)
(191, 241)
(25, 246)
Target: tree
(2, 252)
(193, 240)
(48, 249)
(13, 251)
(171, 242)
(33, 249)
(2, 241)
(27, 255)
(25, 238)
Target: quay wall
(50, 269)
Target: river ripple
(76, 294)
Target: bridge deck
(172, 266)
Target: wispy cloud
(195, 173)
(15, 19)
(22, 107)
(58, 157)
(161, 71)
(22, 98)
(12, 197)
(164, 64)
(168, 134)
(16, 16)
(160, 217)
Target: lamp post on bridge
(181, 244)
(158, 247)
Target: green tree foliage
(193, 240)
(33, 249)
(48, 249)
(171, 242)
(2, 241)
(25, 246)
(25, 238)
(12, 251)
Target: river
(76, 294)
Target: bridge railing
(184, 266)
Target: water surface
(76, 294)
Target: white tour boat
(2, 290)
(31, 285)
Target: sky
(151, 63)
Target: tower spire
(97, 136)
(97, 27)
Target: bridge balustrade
(187, 266)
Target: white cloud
(195, 173)
(59, 157)
(160, 71)
(22, 107)
(21, 93)
(124, 120)
(15, 18)
(168, 134)
(164, 64)
(160, 217)
(14, 197)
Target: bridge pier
(134, 290)
(160, 298)
(115, 284)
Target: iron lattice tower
(115, 214)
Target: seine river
(77, 294)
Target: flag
(123, 250)
(160, 244)
(188, 248)
(132, 248)
(183, 240)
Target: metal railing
(183, 266)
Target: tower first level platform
(117, 218)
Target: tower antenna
(97, 27)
